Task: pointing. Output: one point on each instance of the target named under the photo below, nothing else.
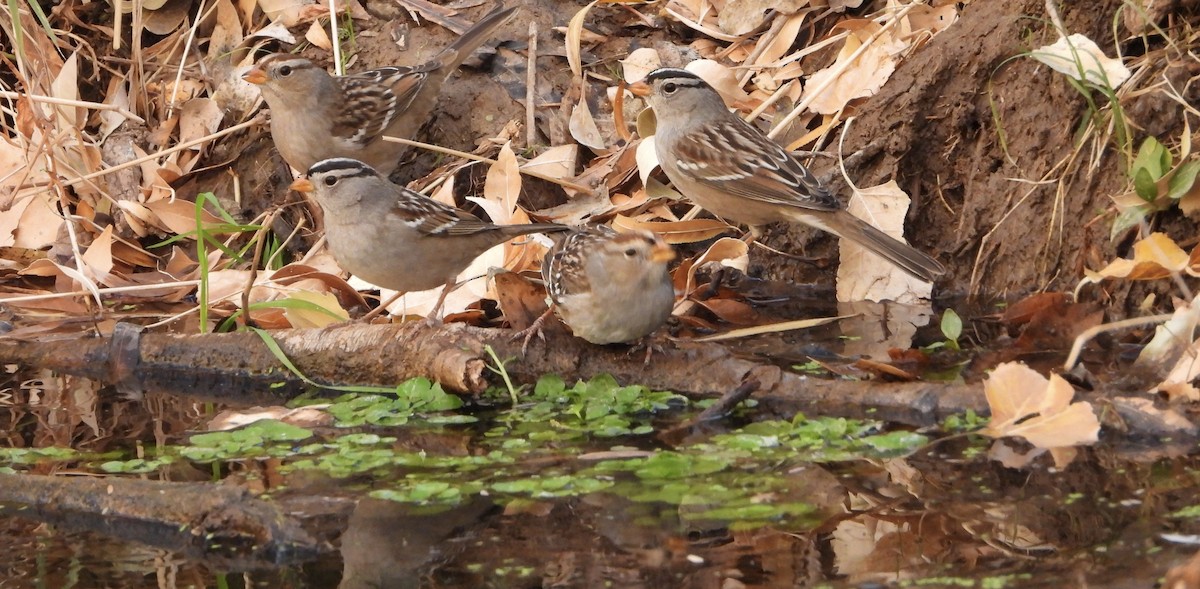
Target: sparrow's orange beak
(639, 89)
(302, 185)
(255, 76)
(662, 253)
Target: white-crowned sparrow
(316, 116)
(736, 172)
(393, 237)
(610, 287)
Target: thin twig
(1088, 334)
(78, 103)
(187, 48)
(531, 87)
(102, 291)
(182, 146)
(486, 160)
(335, 39)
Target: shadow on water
(591, 486)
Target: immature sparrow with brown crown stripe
(736, 172)
(393, 237)
(610, 287)
(316, 116)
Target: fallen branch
(238, 368)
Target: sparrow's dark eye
(286, 71)
(670, 87)
(331, 180)
(631, 252)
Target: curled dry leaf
(285, 12)
(39, 222)
(317, 36)
(779, 46)
(863, 76)
(699, 15)
(640, 62)
(557, 162)
(583, 126)
(1027, 405)
(301, 316)
(1154, 257)
(179, 216)
(863, 276)
(726, 251)
(674, 232)
(1173, 337)
(739, 17)
(923, 19)
(574, 39)
(723, 79)
(1080, 58)
(97, 259)
(647, 158)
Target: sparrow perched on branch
(395, 238)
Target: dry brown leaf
(168, 18)
(858, 79)
(39, 223)
(66, 87)
(98, 258)
(1025, 404)
(285, 12)
(118, 96)
(929, 19)
(861, 274)
(179, 216)
(699, 15)
(583, 126)
(557, 162)
(1172, 337)
(739, 17)
(1154, 257)
(502, 188)
(226, 33)
(639, 63)
(722, 78)
(317, 36)
(674, 232)
(304, 291)
(726, 251)
(574, 39)
(783, 41)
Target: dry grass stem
(100, 291)
(77, 103)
